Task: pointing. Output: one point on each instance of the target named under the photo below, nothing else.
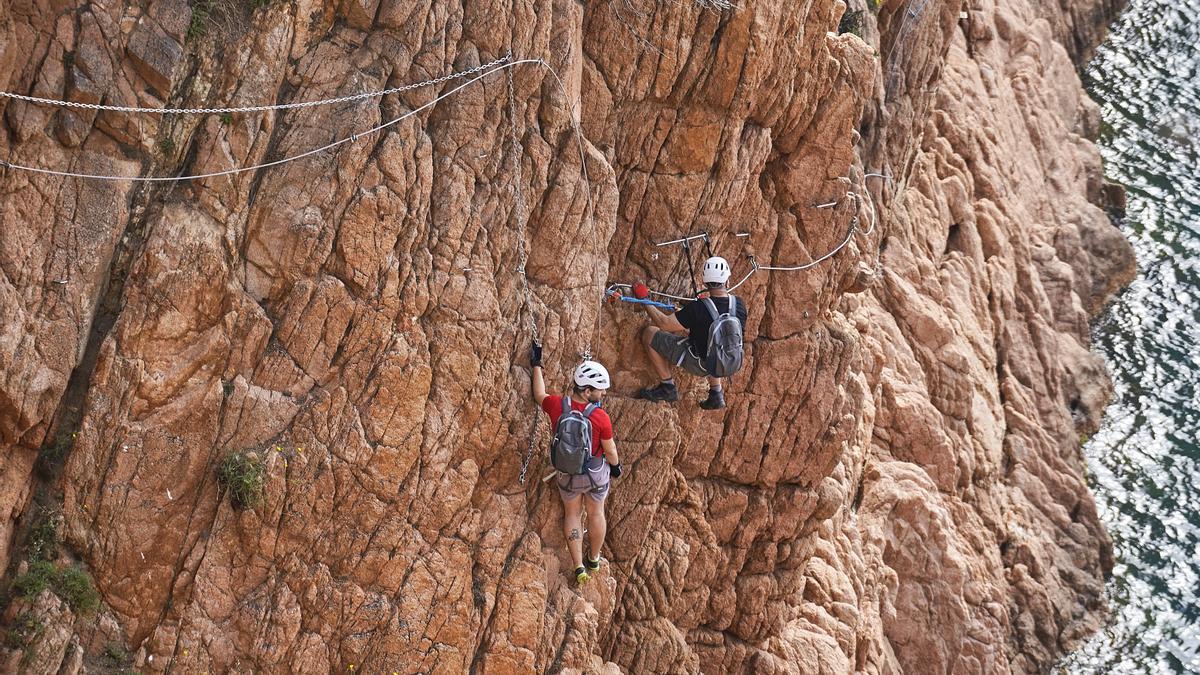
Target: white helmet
(591, 374)
(716, 270)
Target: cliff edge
(896, 485)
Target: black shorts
(678, 351)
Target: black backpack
(571, 449)
(724, 340)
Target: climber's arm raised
(539, 384)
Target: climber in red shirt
(591, 381)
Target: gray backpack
(571, 449)
(724, 340)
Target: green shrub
(70, 583)
(39, 577)
(52, 452)
(25, 630)
(224, 18)
(244, 475)
(43, 537)
(75, 587)
(874, 5)
(116, 654)
(852, 22)
(199, 23)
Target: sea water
(1144, 463)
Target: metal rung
(702, 235)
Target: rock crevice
(895, 486)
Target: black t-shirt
(695, 317)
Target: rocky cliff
(896, 485)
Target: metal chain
(529, 450)
(522, 208)
(522, 213)
(257, 108)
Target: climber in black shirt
(666, 346)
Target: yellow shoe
(582, 576)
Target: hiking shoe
(581, 576)
(660, 392)
(592, 565)
(715, 400)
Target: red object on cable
(640, 291)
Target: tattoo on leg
(575, 534)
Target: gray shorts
(594, 483)
(677, 351)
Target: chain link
(257, 108)
(522, 215)
(522, 207)
(529, 451)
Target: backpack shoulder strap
(566, 403)
(732, 306)
(587, 412)
(712, 308)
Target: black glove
(535, 355)
(614, 470)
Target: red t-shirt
(601, 424)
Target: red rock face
(896, 484)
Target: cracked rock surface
(896, 485)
